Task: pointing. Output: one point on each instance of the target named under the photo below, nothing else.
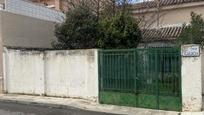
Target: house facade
(163, 23)
(64, 5)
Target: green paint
(147, 78)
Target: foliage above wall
(194, 32)
(84, 29)
(121, 31)
(78, 31)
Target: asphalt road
(20, 109)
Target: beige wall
(22, 31)
(2, 1)
(171, 16)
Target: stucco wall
(202, 69)
(72, 73)
(191, 83)
(24, 72)
(53, 73)
(23, 31)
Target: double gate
(146, 78)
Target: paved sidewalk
(80, 104)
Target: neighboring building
(26, 25)
(164, 27)
(64, 5)
(55, 4)
(27, 8)
(161, 29)
(59, 5)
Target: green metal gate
(146, 78)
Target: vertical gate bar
(120, 73)
(122, 65)
(172, 72)
(171, 91)
(125, 70)
(146, 72)
(157, 75)
(180, 79)
(106, 81)
(176, 62)
(170, 79)
(112, 85)
(120, 59)
(105, 77)
(115, 59)
(134, 75)
(114, 70)
(162, 64)
(176, 73)
(166, 76)
(136, 66)
(126, 77)
(144, 78)
(151, 58)
(113, 63)
(150, 71)
(99, 74)
(171, 54)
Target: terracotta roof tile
(152, 4)
(162, 34)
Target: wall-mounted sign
(190, 50)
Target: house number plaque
(190, 50)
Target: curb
(192, 113)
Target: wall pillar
(191, 78)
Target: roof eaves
(137, 10)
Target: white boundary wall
(202, 66)
(24, 72)
(72, 73)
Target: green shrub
(78, 31)
(84, 30)
(120, 31)
(192, 33)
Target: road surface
(20, 109)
